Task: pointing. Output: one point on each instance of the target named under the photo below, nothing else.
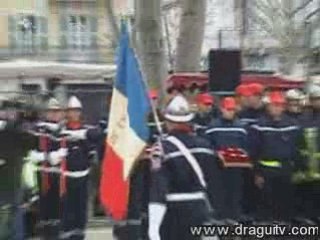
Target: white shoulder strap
(190, 158)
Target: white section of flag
(121, 137)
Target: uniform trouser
(276, 196)
(180, 216)
(307, 198)
(249, 193)
(6, 223)
(74, 209)
(50, 209)
(232, 180)
(12, 218)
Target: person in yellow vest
(309, 177)
(46, 159)
(274, 151)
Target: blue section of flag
(130, 83)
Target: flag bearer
(226, 134)
(47, 158)
(180, 164)
(274, 149)
(75, 170)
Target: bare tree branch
(170, 5)
(276, 18)
(313, 13)
(301, 7)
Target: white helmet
(53, 104)
(178, 110)
(74, 103)
(315, 91)
(294, 94)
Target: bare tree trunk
(169, 47)
(150, 42)
(192, 26)
(112, 20)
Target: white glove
(3, 124)
(55, 157)
(36, 156)
(157, 212)
(49, 126)
(75, 134)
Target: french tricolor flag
(127, 130)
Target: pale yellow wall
(50, 9)
(4, 41)
(103, 27)
(53, 24)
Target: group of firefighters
(235, 161)
(61, 159)
(243, 160)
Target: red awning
(199, 80)
(271, 81)
(187, 80)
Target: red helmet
(276, 98)
(228, 103)
(204, 98)
(243, 90)
(255, 89)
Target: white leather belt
(71, 174)
(77, 174)
(49, 169)
(180, 197)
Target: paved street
(96, 234)
(99, 234)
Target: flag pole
(154, 111)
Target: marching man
(75, 170)
(179, 181)
(47, 158)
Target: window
(28, 32)
(256, 62)
(30, 88)
(78, 31)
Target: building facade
(59, 30)
(58, 46)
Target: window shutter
(63, 31)
(12, 25)
(93, 21)
(43, 32)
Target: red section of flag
(114, 189)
